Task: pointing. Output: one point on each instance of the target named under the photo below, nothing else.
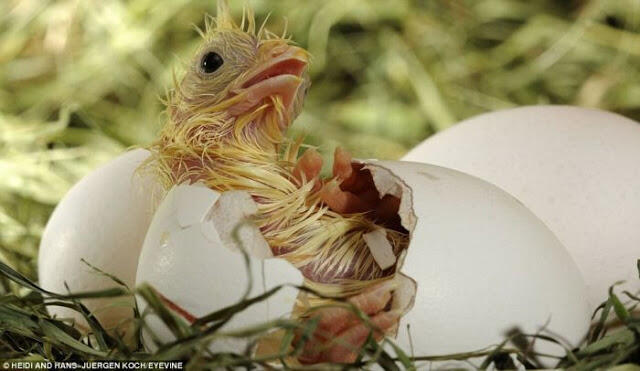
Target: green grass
(80, 81)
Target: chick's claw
(350, 189)
(342, 166)
(341, 333)
(348, 345)
(341, 201)
(308, 167)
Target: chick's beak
(283, 73)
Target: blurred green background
(80, 80)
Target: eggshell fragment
(380, 248)
(483, 263)
(231, 212)
(576, 168)
(202, 272)
(103, 219)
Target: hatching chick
(226, 128)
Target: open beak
(283, 74)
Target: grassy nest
(81, 81)
(30, 334)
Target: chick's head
(242, 88)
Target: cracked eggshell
(191, 258)
(483, 264)
(575, 168)
(103, 219)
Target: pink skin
(285, 86)
(341, 333)
(281, 75)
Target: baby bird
(226, 124)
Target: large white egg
(190, 257)
(103, 219)
(577, 169)
(483, 264)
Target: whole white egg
(483, 264)
(576, 168)
(191, 258)
(103, 219)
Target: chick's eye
(211, 62)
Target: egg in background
(103, 219)
(577, 169)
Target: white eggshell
(577, 169)
(103, 219)
(483, 264)
(185, 260)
